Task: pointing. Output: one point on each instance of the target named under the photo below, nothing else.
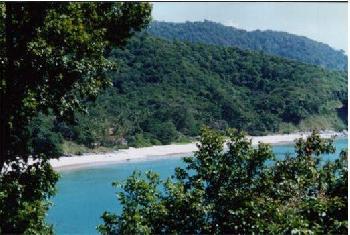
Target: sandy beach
(137, 154)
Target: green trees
(53, 57)
(189, 85)
(270, 42)
(43, 137)
(241, 190)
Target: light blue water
(83, 195)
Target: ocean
(84, 194)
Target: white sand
(137, 154)
(122, 156)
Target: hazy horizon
(319, 21)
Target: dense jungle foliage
(165, 91)
(57, 56)
(53, 58)
(238, 190)
(272, 42)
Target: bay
(84, 194)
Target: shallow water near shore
(84, 194)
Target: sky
(320, 21)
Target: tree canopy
(271, 42)
(54, 56)
(176, 87)
(238, 190)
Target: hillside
(275, 43)
(165, 91)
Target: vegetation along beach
(166, 151)
(173, 118)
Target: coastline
(166, 151)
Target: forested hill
(167, 90)
(275, 43)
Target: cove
(84, 194)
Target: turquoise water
(84, 194)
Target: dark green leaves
(240, 189)
(53, 58)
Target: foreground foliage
(53, 57)
(239, 190)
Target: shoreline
(89, 160)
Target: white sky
(323, 22)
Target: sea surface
(84, 194)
